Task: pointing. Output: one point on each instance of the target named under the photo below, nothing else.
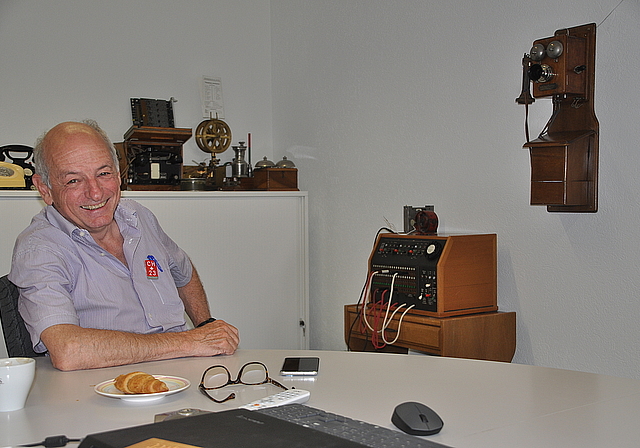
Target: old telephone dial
(564, 157)
(17, 173)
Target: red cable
(375, 340)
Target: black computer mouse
(416, 419)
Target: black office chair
(16, 337)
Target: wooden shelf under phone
(562, 171)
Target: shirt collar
(124, 215)
(57, 220)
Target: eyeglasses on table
(218, 376)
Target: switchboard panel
(440, 275)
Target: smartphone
(300, 366)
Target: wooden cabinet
(490, 336)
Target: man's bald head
(59, 135)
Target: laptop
(224, 429)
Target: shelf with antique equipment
(151, 156)
(213, 136)
(488, 336)
(564, 157)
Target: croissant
(139, 383)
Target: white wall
(385, 103)
(76, 59)
(381, 103)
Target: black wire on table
(53, 442)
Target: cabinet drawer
(490, 336)
(416, 335)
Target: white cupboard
(250, 249)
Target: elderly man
(100, 282)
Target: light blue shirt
(65, 277)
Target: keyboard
(347, 428)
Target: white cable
(366, 289)
(364, 309)
(399, 324)
(364, 302)
(387, 320)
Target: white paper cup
(16, 377)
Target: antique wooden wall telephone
(564, 157)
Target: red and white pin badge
(152, 269)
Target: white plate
(174, 383)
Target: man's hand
(215, 338)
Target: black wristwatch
(208, 321)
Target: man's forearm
(73, 348)
(194, 299)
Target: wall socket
(410, 213)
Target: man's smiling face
(85, 184)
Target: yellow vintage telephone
(16, 175)
(11, 176)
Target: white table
(483, 403)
